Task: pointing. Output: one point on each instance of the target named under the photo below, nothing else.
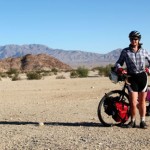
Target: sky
(98, 26)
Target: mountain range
(73, 58)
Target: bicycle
(106, 113)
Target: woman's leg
(142, 109)
(142, 104)
(133, 104)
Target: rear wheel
(104, 118)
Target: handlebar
(121, 74)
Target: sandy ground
(68, 109)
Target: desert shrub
(82, 72)
(104, 71)
(61, 77)
(46, 73)
(101, 71)
(107, 70)
(12, 71)
(54, 70)
(39, 71)
(95, 68)
(33, 76)
(13, 74)
(3, 75)
(73, 74)
(16, 77)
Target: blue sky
(98, 26)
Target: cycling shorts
(138, 82)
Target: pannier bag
(108, 106)
(117, 109)
(122, 112)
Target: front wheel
(104, 118)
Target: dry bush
(33, 76)
(61, 77)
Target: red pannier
(122, 111)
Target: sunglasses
(132, 39)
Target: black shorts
(138, 82)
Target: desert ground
(68, 110)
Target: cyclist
(134, 57)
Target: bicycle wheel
(104, 118)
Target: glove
(121, 71)
(147, 70)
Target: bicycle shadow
(73, 124)
(18, 123)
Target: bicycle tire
(105, 119)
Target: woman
(134, 56)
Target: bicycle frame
(124, 91)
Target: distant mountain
(74, 58)
(31, 62)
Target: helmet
(134, 34)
